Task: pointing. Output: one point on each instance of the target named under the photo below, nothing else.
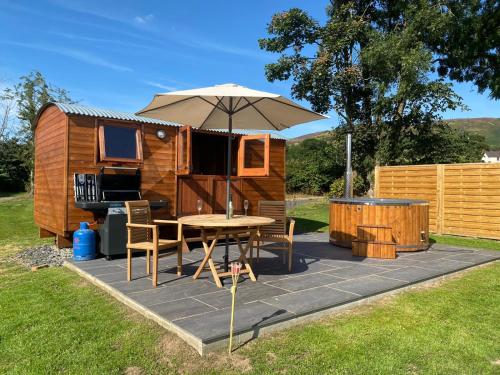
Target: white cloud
(76, 54)
(141, 20)
(183, 37)
(160, 85)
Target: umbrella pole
(228, 181)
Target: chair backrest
(138, 212)
(275, 210)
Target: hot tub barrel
(409, 220)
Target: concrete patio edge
(244, 336)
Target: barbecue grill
(105, 195)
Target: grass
(53, 321)
(17, 228)
(310, 217)
(452, 329)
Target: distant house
(491, 157)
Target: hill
(301, 138)
(487, 127)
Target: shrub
(337, 187)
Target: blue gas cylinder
(84, 243)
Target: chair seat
(148, 245)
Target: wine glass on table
(199, 206)
(245, 205)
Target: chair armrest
(160, 222)
(133, 225)
(291, 228)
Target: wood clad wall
(212, 189)
(464, 198)
(271, 187)
(157, 169)
(50, 170)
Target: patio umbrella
(228, 106)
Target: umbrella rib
(238, 102)
(210, 114)
(214, 105)
(248, 105)
(260, 113)
(222, 103)
(293, 106)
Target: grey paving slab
(473, 257)
(181, 308)
(248, 317)
(428, 256)
(295, 283)
(136, 285)
(114, 277)
(412, 274)
(106, 269)
(355, 271)
(168, 293)
(246, 293)
(369, 285)
(310, 300)
(447, 265)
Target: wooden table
(234, 227)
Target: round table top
(220, 221)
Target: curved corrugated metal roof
(82, 110)
(77, 109)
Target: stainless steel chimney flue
(348, 171)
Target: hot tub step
(374, 249)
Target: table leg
(243, 252)
(208, 257)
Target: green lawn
(16, 222)
(52, 321)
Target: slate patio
(324, 278)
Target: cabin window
(253, 155)
(120, 143)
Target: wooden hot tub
(409, 220)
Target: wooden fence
(464, 199)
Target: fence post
(440, 198)
(376, 187)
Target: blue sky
(118, 54)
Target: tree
(466, 45)
(371, 62)
(311, 166)
(22, 102)
(29, 95)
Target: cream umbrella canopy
(229, 106)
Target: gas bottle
(84, 243)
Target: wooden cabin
(177, 164)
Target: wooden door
(190, 189)
(184, 159)
(219, 195)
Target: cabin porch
(324, 279)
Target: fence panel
(464, 198)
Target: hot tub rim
(379, 201)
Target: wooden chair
(275, 233)
(143, 235)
